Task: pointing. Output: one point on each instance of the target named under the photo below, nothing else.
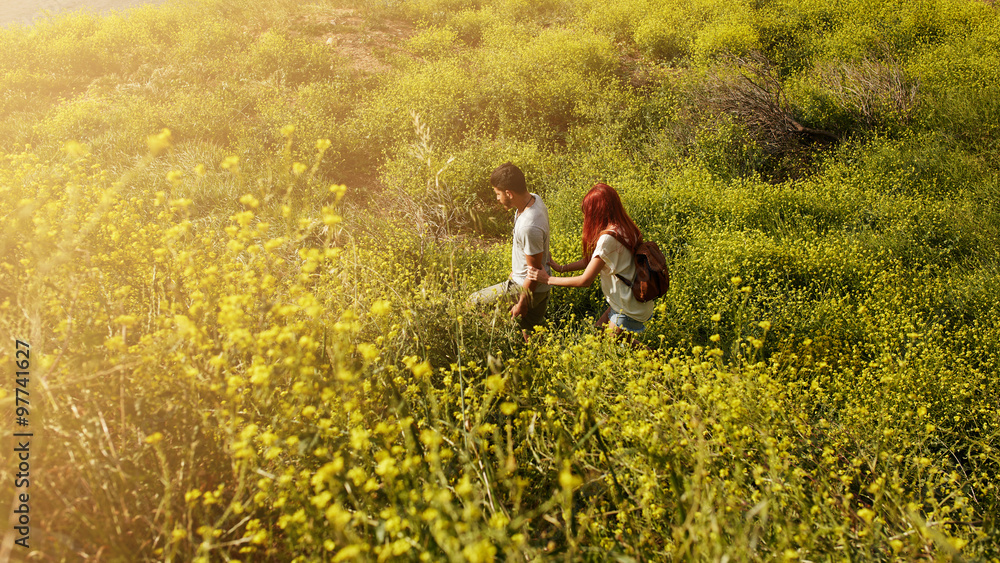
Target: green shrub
(296, 60)
(727, 150)
(433, 42)
(236, 360)
(472, 25)
(662, 39)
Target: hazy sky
(24, 10)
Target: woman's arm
(571, 267)
(583, 280)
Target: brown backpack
(652, 278)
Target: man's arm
(529, 285)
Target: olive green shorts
(507, 292)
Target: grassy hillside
(239, 236)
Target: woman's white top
(619, 260)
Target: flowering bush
(241, 358)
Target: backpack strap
(617, 237)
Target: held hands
(555, 267)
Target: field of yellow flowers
(238, 237)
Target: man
(530, 248)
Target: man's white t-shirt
(531, 236)
(619, 260)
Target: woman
(609, 238)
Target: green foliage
(240, 358)
(662, 39)
(433, 42)
(727, 150)
(295, 60)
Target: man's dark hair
(510, 178)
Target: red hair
(603, 210)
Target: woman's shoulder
(611, 238)
(609, 247)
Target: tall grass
(240, 237)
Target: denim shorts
(624, 321)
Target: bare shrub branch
(750, 90)
(871, 90)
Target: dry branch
(756, 97)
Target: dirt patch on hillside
(367, 46)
